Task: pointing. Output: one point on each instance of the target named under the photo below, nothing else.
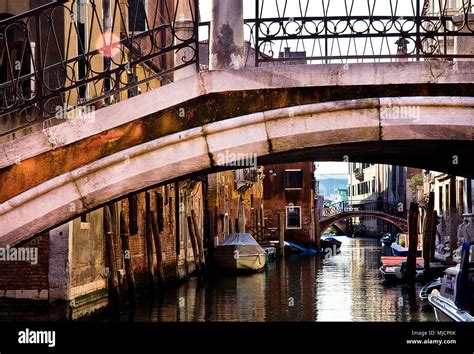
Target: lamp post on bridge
(184, 30)
(227, 35)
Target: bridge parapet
(124, 57)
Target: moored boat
(428, 288)
(455, 300)
(291, 247)
(393, 267)
(331, 243)
(400, 246)
(240, 252)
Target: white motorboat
(455, 300)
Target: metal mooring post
(227, 35)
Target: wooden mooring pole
(114, 290)
(281, 233)
(159, 254)
(412, 241)
(317, 229)
(427, 230)
(434, 225)
(194, 244)
(127, 258)
(149, 242)
(200, 241)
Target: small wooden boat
(240, 252)
(455, 300)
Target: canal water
(346, 287)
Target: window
(293, 217)
(136, 15)
(293, 179)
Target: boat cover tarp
(239, 239)
(244, 243)
(396, 261)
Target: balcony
(359, 174)
(245, 178)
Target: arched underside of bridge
(398, 222)
(279, 114)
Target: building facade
(380, 187)
(288, 190)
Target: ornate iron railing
(344, 31)
(62, 58)
(68, 57)
(346, 206)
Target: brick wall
(276, 199)
(24, 275)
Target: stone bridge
(398, 222)
(414, 114)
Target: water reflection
(347, 287)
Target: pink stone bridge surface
(414, 114)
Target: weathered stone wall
(87, 261)
(223, 201)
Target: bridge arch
(126, 147)
(396, 221)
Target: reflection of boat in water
(240, 252)
(455, 300)
(400, 245)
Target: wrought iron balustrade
(67, 57)
(345, 31)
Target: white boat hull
(446, 311)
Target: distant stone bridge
(280, 114)
(398, 222)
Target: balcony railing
(343, 31)
(68, 54)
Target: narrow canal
(347, 287)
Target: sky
(328, 168)
(315, 47)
